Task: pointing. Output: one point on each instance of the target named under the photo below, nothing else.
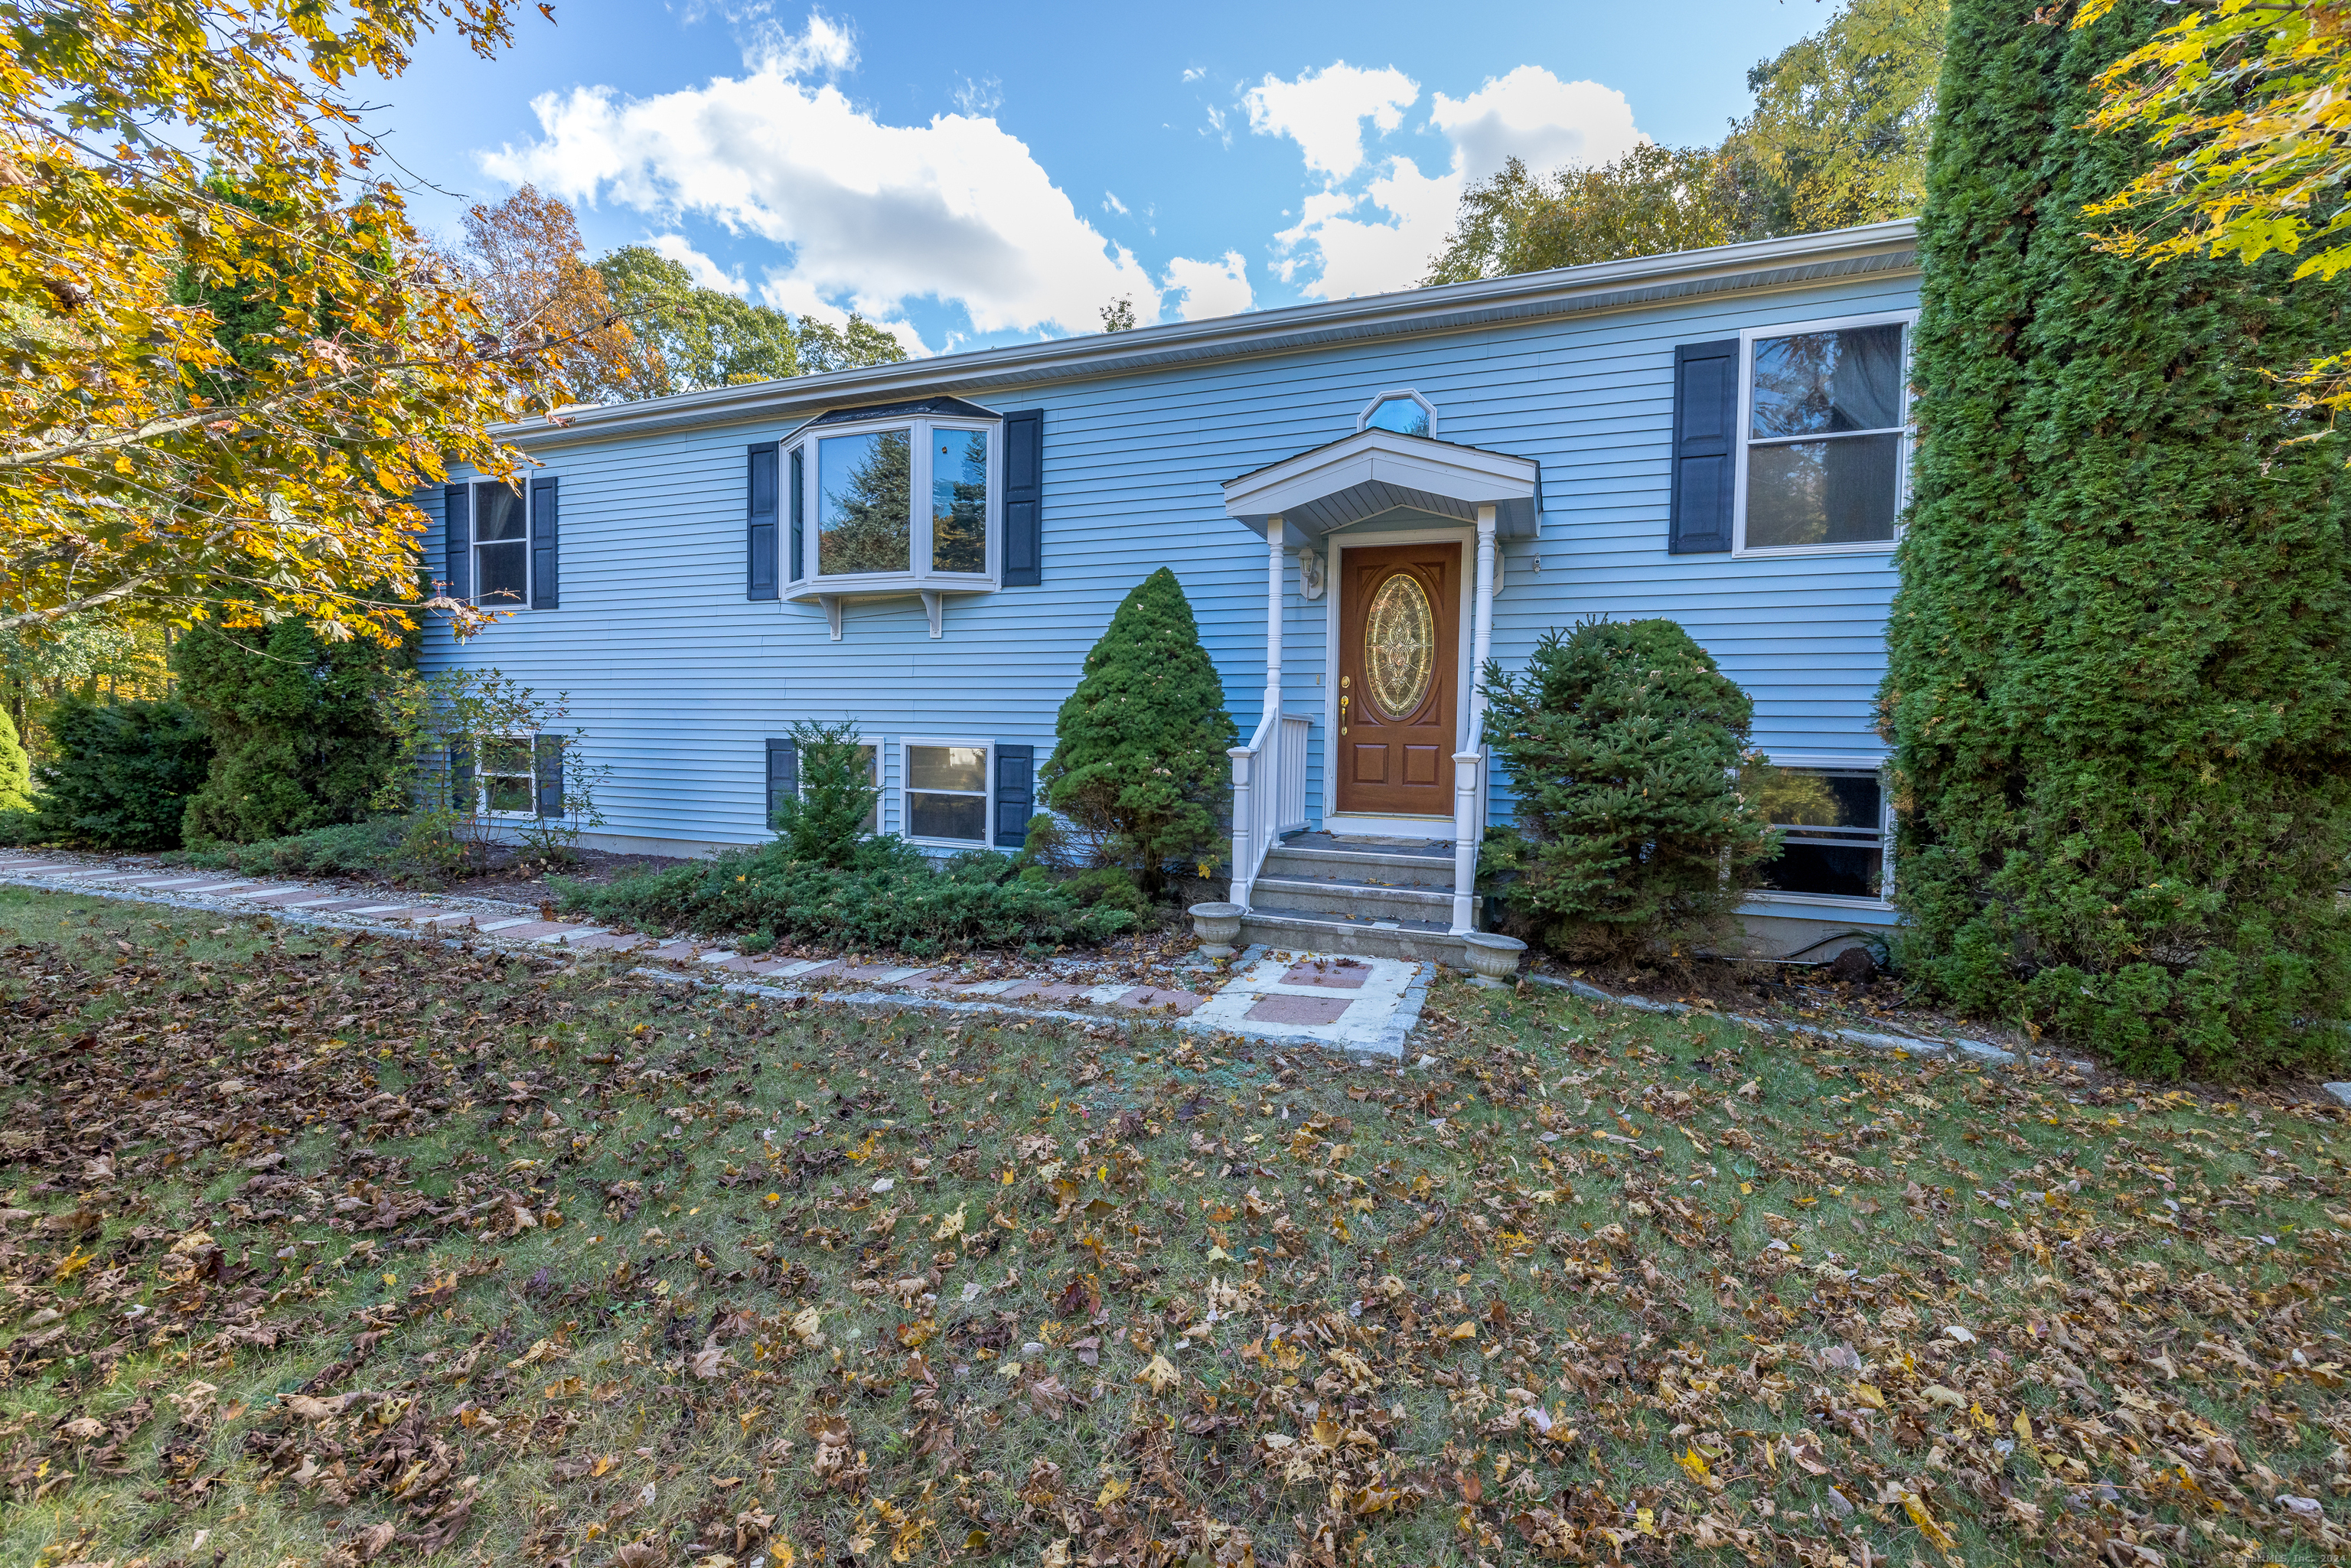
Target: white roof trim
(1788, 263)
(1376, 471)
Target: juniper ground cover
(324, 1250)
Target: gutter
(1758, 264)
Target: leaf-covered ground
(320, 1250)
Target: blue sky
(980, 174)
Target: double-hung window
(943, 792)
(1834, 828)
(501, 546)
(505, 780)
(1824, 436)
(895, 504)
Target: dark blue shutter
(759, 524)
(793, 569)
(544, 536)
(1024, 496)
(1016, 794)
(1706, 416)
(783, 775)
(461, 779)
(457, 539)
(548, 751)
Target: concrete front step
(1299, 930)
(1328, 864)
(1321, 897)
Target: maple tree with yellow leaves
(155, 161)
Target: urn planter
(1493, 959)
(1218, 925)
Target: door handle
(1345, 697)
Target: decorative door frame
(1336, 542)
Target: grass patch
(333, 1249)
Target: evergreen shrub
(2118, 683)
(890, 895)
(1139, 767)
(1622, 742)
(298, 731)
(15, 768)
(826, 822)
(118, 776)
(380, 847)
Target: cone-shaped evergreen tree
(2118, 679)
(15, 770)
(1139, 761)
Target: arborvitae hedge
(1139, 762)
(2119, 684)
(299, 740)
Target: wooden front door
(1399, 640)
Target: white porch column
(1469, 782)
(1273, 564)
(1481, 636)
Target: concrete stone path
(1358, 1006)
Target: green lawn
(324, 1250)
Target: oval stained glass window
(1399, 646)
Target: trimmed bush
(1621, 740)
(890, 895)
(15, 768)
(299, 737)
(1139, 766)
(119, 775)
(2119, 672)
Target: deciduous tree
(1650, 201)
(151, 155)
(2248, 103)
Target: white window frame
(1840, 762)
(473, 545)
(919, 574)
(906, 790)
(482, 777)
(1364, 418)
(1907, 429)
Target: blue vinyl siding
(677, 679)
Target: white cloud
(1111, 203)
(1534, 114)
(1384, 236)
(824, 45)
(1372, 258)
(980, 97)
(1324, 111)
(704, 270)
(1194, 73)
(875, 215)
(1209, 287)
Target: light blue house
(1363, 500)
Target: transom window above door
(884, 503)
(1826, 440)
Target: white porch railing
(1269, 794)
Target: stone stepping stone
(1284, 1009)
(1335, 975)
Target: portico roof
(1376, 471)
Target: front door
(1399, 636)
